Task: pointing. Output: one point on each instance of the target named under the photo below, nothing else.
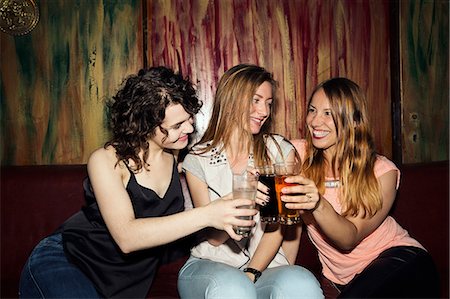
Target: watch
(255, 272)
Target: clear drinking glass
(268, 212)
(245, 186)
(283, 170)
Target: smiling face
(174, 131)
(261, 107)
(321, 125)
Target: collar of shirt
(217, 156)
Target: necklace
(332, 184)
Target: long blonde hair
(355, 154)
(232, 103)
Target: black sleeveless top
(89, 245)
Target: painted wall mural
(302, 42)
(55, 80)
(425, 80)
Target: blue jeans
(48, 274)
(201, 278)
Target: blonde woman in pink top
(345, 194)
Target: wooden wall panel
(54, 80)
(302, 42)
(424, 52)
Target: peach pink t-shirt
(341, 267)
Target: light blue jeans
(201, 278)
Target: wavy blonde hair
(232, 102)
(355, 152)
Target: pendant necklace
(332, 184)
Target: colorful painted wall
(55, 80)
(302, 42)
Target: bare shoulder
(103, 155)
(104, 159)
(298, 142)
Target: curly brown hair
(139, 108)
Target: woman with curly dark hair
(134, 211)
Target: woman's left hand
(262, 194)
(302, 196)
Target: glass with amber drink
(282, 171)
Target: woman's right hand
(304, 195)
(224, 212)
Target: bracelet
(255, 272)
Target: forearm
(266, 250)
(145, 233)
(217, 237)
(342, 232)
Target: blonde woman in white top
(255, 267)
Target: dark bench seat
(35, 200)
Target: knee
(27, 284)
(214, 280)
(297, 274)
(232, 285)
(298, 282)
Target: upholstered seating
(35, 200)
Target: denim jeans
(48, 274)
(201, 278)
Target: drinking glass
(268, 212)
(283, 170)
(245, 186)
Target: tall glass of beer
(283, 170)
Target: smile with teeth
(257, 120)
(320, 134)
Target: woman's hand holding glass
(304, 195)
(262, 197)
(224, 213)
